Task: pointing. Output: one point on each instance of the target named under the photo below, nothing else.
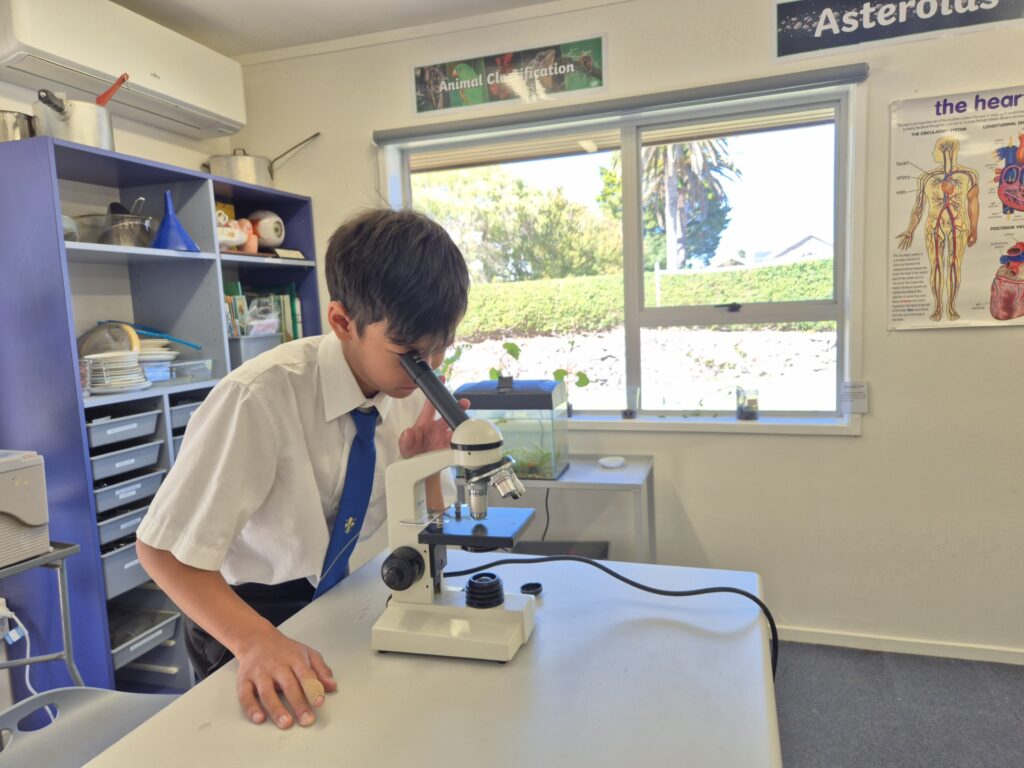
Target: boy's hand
(273, 664)
(429, 433)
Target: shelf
(161, 388)
(264, 262)
(98, 253)
(92, 165)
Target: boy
(242, 533)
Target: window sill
(766, 425)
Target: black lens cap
(531, 588)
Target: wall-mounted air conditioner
(81, 46)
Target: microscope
(423, 615)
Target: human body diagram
(947, 197)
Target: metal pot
(84, 122)
(252, 169)
(16, 125)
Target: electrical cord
(547, 514)
(774, 640)
(28, 655)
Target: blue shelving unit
(42, 406)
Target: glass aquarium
(532, 416)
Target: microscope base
(449, 628)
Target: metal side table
(53, 559)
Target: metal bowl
(116, 229)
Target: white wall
(907, 537)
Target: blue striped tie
(355, 498)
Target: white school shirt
(255, 490)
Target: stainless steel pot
(252, 169)
(83, 122)
(16, 125)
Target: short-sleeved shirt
(256, 488)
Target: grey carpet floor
(844, 708)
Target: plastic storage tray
(242, 348)
(161, 625)
(180, 414)
(177, 445)
(119, 526)
(125, 460)
(122, 571)
(104, 430)
(125, 492)
(192, 370)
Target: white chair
(88, 721)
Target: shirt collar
(338, 385)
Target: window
(660, 259)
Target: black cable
(547, 513)
(774, 640)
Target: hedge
(595, 303)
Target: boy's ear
(340, 321)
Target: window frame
(395, 180)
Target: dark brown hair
(400, 267)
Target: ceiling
(236, 27)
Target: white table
(611, 677)
(635, 477)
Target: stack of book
(238, 302)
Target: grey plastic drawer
(123, 525)
(104, 430)
(125, 460)
(161, 625)
(126, 492)
(180, 414)
(177, 445)
(122, 571)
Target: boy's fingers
(316, 661)
(272, 703)
(427, 415)
(313, 689)
(296, 697)
(250, 705)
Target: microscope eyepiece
(438, 395)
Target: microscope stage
(501, 529)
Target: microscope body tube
(436, 393)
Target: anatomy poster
(956, 216)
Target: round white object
(269, 227)
(611, 462)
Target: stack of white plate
(114, 372)
(156, 351)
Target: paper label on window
(854, 397)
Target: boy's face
(374, 358)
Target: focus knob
(402, 568)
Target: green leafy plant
(512, 352)
(448, 364)
(566, 374)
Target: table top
(585, 473)
(611, 676)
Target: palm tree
(682, 184)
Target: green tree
(682, 186)
(694, 211)
(510, 232)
